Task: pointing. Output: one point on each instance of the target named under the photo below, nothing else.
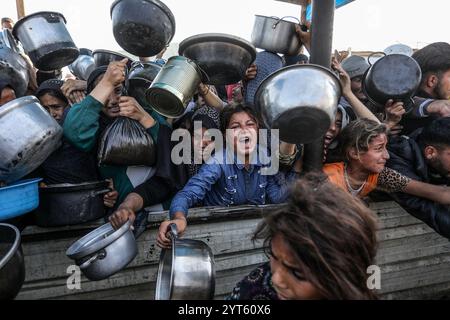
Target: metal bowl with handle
(276, 35)
(104, 57)
(104, 251)
(28, 135)
(300, 100)
(83, 65)
(224, 58)
(46, 40)
(186, 271)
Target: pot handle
(173, 231)
(282, 19)
(100, 255)
(51, 18)
(104, 191)
(374, 53)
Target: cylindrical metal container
(174, 87)
(46, 40)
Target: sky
(361, 25)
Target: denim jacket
(220, 184)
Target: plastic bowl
(19, 198)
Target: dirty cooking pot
(140, 78)
(71, 204)
(12, 265)
(28, 135)
(186, 271)
(142, 27)
(104, 251)
(394, 76)
(46, 40)
(224, 58)
(83, 65)
(276, 35)
(104, 57)
(299, 100)
(174, 87)
(13, 67)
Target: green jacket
(83, 126)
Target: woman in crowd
(320, 247)
(363, 146)
(230, 177)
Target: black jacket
(407, 158)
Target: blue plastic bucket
(19, 198)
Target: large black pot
(46, 40)
(394, 76)
(142, 27)
(71, 204)
(12, 266)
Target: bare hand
(130, 108)
(121, 216)
(343, 76)
(394, 113)
(163, 241)
(115, 74)
(395, 130)
(251, 73)
(72, 85)
(440, 108)
(304, 36)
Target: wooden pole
(20, 9)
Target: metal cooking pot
(224, 58)
(142, 27)
(28, 135)
(104, 57)
(71, 204)
(174, 87)
(394, 76)
(276, 35)
(46, 40)
(186, 271)
(83, 65)
(13, 67)
(104, 251)
(12, 265)
(140, 78)
(300, 100)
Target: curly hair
(331, 234)
(359, 134)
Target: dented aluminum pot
(28, 135)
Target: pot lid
(14, 234)
(217, 37)
(96, 240)
(69, 187)
(33, 15)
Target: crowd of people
(319, 245)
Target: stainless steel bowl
(224, 58)
(104, 251)
(28, 135)
(186, 271)
(299, 100)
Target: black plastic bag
(125, 142)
